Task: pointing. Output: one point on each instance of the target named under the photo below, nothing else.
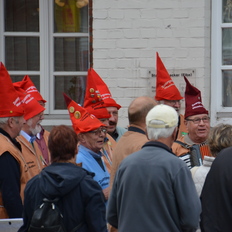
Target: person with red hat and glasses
(95, 105)
(41, 137)
(15, 169)
(115, 131)
(168, 94)
(91, 134)
(197, 121)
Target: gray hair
(157, 133)
(3, 121)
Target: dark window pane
(22, 15)
(73, 86)
(227, 88)
(71, 54)
(35, 80)
(22, 53)
(70, 17)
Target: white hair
(156, 133)
(3, 121)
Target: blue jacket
(86, 157)
(81, 198)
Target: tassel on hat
(10, 103)
(104, 91)
(82, 120)
(29, 87)
(165, 87)
(93, 102)
(193, 101)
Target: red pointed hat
(29, 87)
(10, 104)
(82, 120)
(165, 87)
(104, 90)
(93, 102)
(193, 102)
(30, 104)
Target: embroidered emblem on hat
(11, 111)
(91, 90)
(77, 114)
(71, 109)
(92, 95)
(93, 101)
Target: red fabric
(93, 102)
(30, 104)
(193, 102)
(82, 120)
(165, 87)
(104, 90)
(10, 103)
(29, 87)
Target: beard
(37, 129)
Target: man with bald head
(135, 137)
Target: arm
(95, 208)
(187, 200)
(10, 185)
(112, 213)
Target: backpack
(48, 218)
(193, 157)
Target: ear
(185, 123)
(10, 122)
(81, 138)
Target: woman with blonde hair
(220, 137)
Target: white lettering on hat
(31, 89)
(168, 84)
(17, 102)
(197, 105)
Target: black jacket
(81, 198)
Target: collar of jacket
(136, 129)
(158, 144)
(14, 141)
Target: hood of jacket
(58, 179)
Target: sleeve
(187, 199)
(95, 208)
(112, 214)
(10, 185)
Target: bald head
(139, 108)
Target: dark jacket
(153, 191)
(216, 196)
(81, 198)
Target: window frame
(218, 112)
(46, 41)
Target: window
(221, 71)
(49, 41)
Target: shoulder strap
(185, 145)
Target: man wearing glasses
(91, 134)
(197, 123)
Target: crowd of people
(165, 172)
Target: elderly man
(115, 131)
(197, 122)
(167, 93)
(91, 134)
(95, 105)
(133, 140)
(14, 170)
(41, 137)
(33, 116)
(153, 190)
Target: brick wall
(127, 35)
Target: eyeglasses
(98, 131)
(198, 120)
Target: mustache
(112, 123)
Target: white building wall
(127, 35)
